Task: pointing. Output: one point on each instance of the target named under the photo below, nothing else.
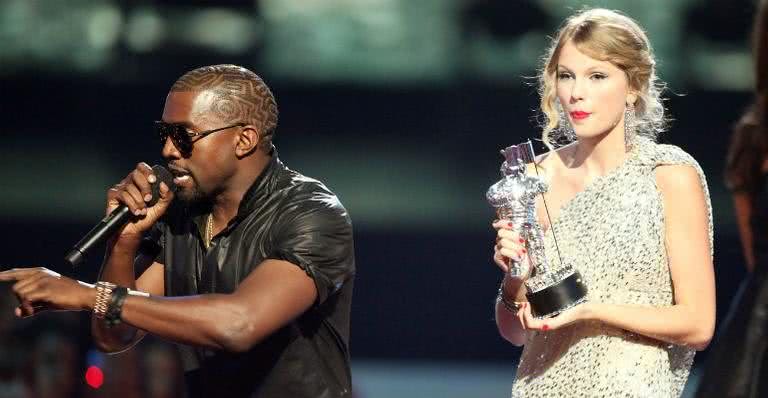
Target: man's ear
(247, 141)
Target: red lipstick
(579, 115)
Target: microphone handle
(101, 232)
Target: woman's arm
(691, 319)
(510, 247)
(508, 321)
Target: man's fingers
(166, 195)
(148, 172)
(137, 196)
(128, 200)
(26, 285)
(144, 168)
(142, 184)
(29, 287)
(37, 297)
(114, 192)
(29, 310)
(31, 290)
(17, 274)
(25, 309)
(6, 276)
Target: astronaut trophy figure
(551, 290)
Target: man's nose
(169, 150)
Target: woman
(631, 215)
(746, 172)
(738, 364)
(747, 164)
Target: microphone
(116, 219)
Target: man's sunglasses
(182, 138)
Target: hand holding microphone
(146, 192)
(136, 203)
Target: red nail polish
(521, 240)
(545, 327)
(524, 251)
(510, 224)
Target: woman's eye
(563, 75)
(599, 76)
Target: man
(250, 269)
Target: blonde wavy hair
(607, 36)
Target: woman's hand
(575, 314)
(510, 250)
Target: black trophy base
(557, 298)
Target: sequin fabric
(613, 233)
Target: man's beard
(192, 196)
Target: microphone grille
(163, 175)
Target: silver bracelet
(510, 306)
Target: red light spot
(94, 377)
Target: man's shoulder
(306, 199)
(299, 187)
(299, 182)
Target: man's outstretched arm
(275, 293)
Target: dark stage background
(400, 107)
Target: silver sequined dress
(613, 233)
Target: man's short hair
(241, 96)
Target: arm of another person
(690, 320)
(742, 203)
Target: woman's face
(593, 93)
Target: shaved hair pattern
(241, 96)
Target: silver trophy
(551, 290)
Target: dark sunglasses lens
(162, 132)
(181, 139)
(178, 136)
